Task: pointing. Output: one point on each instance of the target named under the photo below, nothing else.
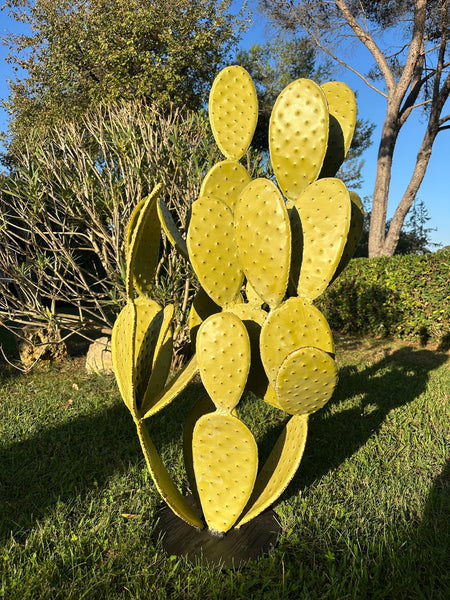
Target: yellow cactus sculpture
(262, 253)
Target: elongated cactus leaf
(149, 320)
(279, 469)
(122, 351)
(170, 229)
(201, 308)
(225, 457)
(263, 237)
(143, 249)
(298, 136)
(226, 180)
(354, 234)
(223, 351)
(342, 108)
(233, 111)
(290, 326)
(162, 358)
(325, 213)
(212, 250)
(164, 482)
(306, 381)
(173, 389)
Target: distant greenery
(365, 517)
(402, 296)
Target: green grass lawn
(367, 515)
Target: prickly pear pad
(342, 105)
(202, 307)
(143, 250)
(212, 250)
(225, 458)
(325, 213)
(290, 326)
(233, 111)
(122, 351)
(279, 468)
(298, 136)
(162, 359)
(306, 381)
(354, 234)
(226, 180)
(223, 351)
(149, 320)
(263, 237)
(342, 108)
(170, 228)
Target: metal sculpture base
(232, 551)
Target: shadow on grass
(63, 461)
(394, 381)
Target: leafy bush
(65, 207)
(401, 296)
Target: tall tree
(411, 73)
(82, 53)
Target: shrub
(401, 296)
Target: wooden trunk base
(232, 551)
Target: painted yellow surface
(279, 469)
(233, 111)
(225, 180)
(170, 229)
(122, 351)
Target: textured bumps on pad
(225, 180)
(279, 468)
(212, 250)
(306, 381)
(225, 457)
(233, 111)
(263, 237)
(290, 326)
(223, 352)
(325, 213)
(143, 248)
(298, 136)
(170, 228)
(202, 307)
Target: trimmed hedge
(406, 297)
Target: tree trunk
(382, 183)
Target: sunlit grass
(366, 516)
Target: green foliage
(81, 54)
(402, 296)
(65, 208)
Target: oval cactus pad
(202, 307)
(225, 457)
(342, 105)
(325, 213)
(279, 468)
(263, 237)
(223, 353)
(354, 234)
(233, 111)
(226, 180)
(290, 326)
(212, 250)
(298, 136)
(306, 381)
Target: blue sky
(435, 188)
